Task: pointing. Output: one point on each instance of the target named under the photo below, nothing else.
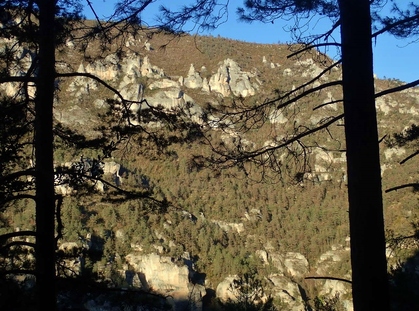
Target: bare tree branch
(246, 156)
(328, 103)
(93, 77)
(414, 185)
(17, 197)
(290, 93)
(9, 177)
(312, 46)
(303, 94)
(16, 243)
(398, 89)
(396, 24)
(16, 234)
(24, 79)
(327, 278)
(409, 157)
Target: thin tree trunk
(369, 265)
(45, 205)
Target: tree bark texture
(45, 203)
(368, 258)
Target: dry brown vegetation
(306, 217)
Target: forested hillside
(220, 217)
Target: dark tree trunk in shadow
(45, 205)
(369, 266)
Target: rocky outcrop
(193, 79)
(311, 69)
(287, 291)
(286, 284)
(161, 275)
(110, 169)
(225, 226)
(231, 80)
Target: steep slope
(224, 221)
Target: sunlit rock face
(193, 79)
(230, 79)
(161, 275)
(292, 268)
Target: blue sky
(393, 58)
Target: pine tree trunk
(45, 204)
(369, 265)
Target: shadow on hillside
(84, 293)
(404, 284)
